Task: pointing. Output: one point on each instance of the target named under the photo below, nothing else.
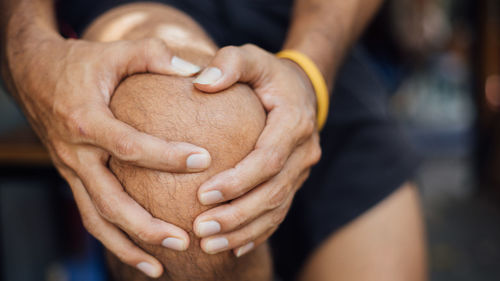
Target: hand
(65, 89)
(260, 189)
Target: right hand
(65, 87)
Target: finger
(152, 55)
(247, 247)
(266, 197)
(232, 64)
(115, 205)
(247, 234)
(129, 145)
(277, 141)
(110, 236)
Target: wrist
(314, 75)
(325, 48)
(309, 89)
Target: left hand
(259, 189)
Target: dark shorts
(365, 155)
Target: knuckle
(281, 212)
(64, 154)
(276, 197)
(172, 156)
(145, 235)
(90, 224)
(123, 254)
(316, 155)
(236, 217)
(230, 50)
(275, 162)
(250, 47)
(233, 186)
(104, 208)
(277, 217)
(234, 55)
(309, 126)
(127, 149)
(154, 43)
(152, 46)
(76, 124)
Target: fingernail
(207, 228)
(211, 197)
(244, 249)
(184, 67)
(198, 161)
(148, 269)
(209, 76)
(216, 245)
(174, 244)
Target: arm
(324, 30)
(64, 87)
(289, 144)
(36, 21)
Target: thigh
(386, 243)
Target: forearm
(325, 29)
(24, 24)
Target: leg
(212, 121)
(227, 124)
(386, 243)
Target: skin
(64, 88)
(394, 226)
(227, 124)
(276, 164)
(78, 119)
(387, 243)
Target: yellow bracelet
(317, 81)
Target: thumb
(152, 55)
(233, 64)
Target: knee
(227, 124)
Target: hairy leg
(385, 244)
(227, 124)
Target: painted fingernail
(211, 197)
(216, 245)
(174, 244)
(198, 161)
(208, 228)
(244, 249)
(184, 67)
(148, 269)
(208, 76)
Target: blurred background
(442, 59)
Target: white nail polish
(174, 244)
(148, 269)
(244, 249)
(183, 67)
(216, 245)
(208, 228)
(211, 197)
(198, 161)
(208, 76)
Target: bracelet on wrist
(317, 80)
